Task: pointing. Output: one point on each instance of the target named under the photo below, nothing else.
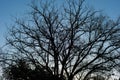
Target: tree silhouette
(67, 42)
(22, 71)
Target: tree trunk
(56, 67)
(70, 77)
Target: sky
(18, 8)
(9, 9)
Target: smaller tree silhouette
(22, 71)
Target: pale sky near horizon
(18, 8)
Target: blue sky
(8, 10)
(17, 8)
(109, 7)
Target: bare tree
(67, 40)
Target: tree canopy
(21, 70)
(67, 40)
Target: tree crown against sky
(67, 41)
(19, 9)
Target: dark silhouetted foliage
(22, 71)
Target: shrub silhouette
(22, 71)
